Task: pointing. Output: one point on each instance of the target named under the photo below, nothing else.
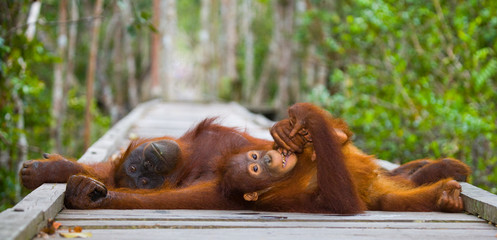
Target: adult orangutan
(314, 172)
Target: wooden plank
(479, 202)
(289, 233)
(43, 198)
(160, 132)
(387, 165)
(197, 112)
(150, 133)
(183, 116)
(163, 123)
(214, 215)
(20, 225)
(257, 118)
(113, 224)
(28, 216)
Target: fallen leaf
(50, 228)
(76, 235)
(56, 225)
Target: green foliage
(189, 23)
(141, 19)
(21, 89)
(74, 123)
(26, 77)
(413, 78)
(8, 189)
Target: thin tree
(59, 74)
(167, 29)
(204, 47)
(111, 43)
(34, 13)
(230, 42)
(71, 46)
(154, 51)
(284, 10)
(247, 15)
(279, 59)
(90, 74)
(127, 19)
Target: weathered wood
(123, 224)
(26, 218)
(215, 215)
(43, 198)
(174, 119)
(387, 165)
(291, 233)
(20, 225)
(479, 202)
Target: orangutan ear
(342, 137)
(251, 197)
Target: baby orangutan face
(256, 170)
(270, 164)
(146, 166)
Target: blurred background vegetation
(413, 78)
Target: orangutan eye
(254, 156)
(255, 167)
(132, 169)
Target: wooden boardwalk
(156, 118)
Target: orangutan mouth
(284, 159)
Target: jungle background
(413, 78)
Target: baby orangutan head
(254, 171)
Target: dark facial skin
(256, 170)
(147, 165)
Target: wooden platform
(156, 118)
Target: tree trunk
(71, 46)
(34, 12)
(118, 70)
(58, 85)
(127, 19)
(210, 49)
(110, 45)
(279, 57)
(248, 36)
(22, 142)
(230, 41)
(284, 10)
(90, 74)
(167, 29)
(155, 50)
(269, 65)
(204, 53)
